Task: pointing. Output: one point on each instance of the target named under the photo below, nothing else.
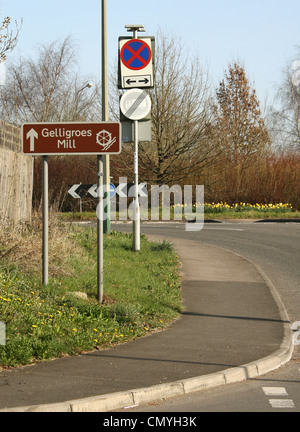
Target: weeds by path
(142, 292)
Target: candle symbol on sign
(32, 134)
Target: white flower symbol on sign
(105, 139)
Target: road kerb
(117, 401)
(148, 394)
(204, 382)
(103, 403)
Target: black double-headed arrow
(129, 81)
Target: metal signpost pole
(69, 138)
(135, 70)
(105, 115)
(100, 230)
(45, 220)
(100, 165)
(136, 207)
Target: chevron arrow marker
(93, 191)
(72, 191)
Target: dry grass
(21, 245)
(142, 292)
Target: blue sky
(262, 34)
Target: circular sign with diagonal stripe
(136, 54)
(135, 104)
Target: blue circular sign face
(112, 190)
(136, 54)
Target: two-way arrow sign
(144, 81)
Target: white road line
(282, 403)
(275, 391)
(223, 229)
(278, 403)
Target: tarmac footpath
(233, 327)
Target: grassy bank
(250, 211)
(142, 293)
(212, 211)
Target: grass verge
(211, 211)
(250, 211)
(142, 293)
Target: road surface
(275, 249)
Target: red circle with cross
(136, 54)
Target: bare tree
(286, 119)
(47, 88)
(8, 40)
(180, 115)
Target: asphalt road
(275, 249)
(275, 392)
(219, 278)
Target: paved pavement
(234, 327)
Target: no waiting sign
(136, 54)
(136, 58)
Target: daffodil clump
(236, 210)
(246, 207)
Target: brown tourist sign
(71, 138)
